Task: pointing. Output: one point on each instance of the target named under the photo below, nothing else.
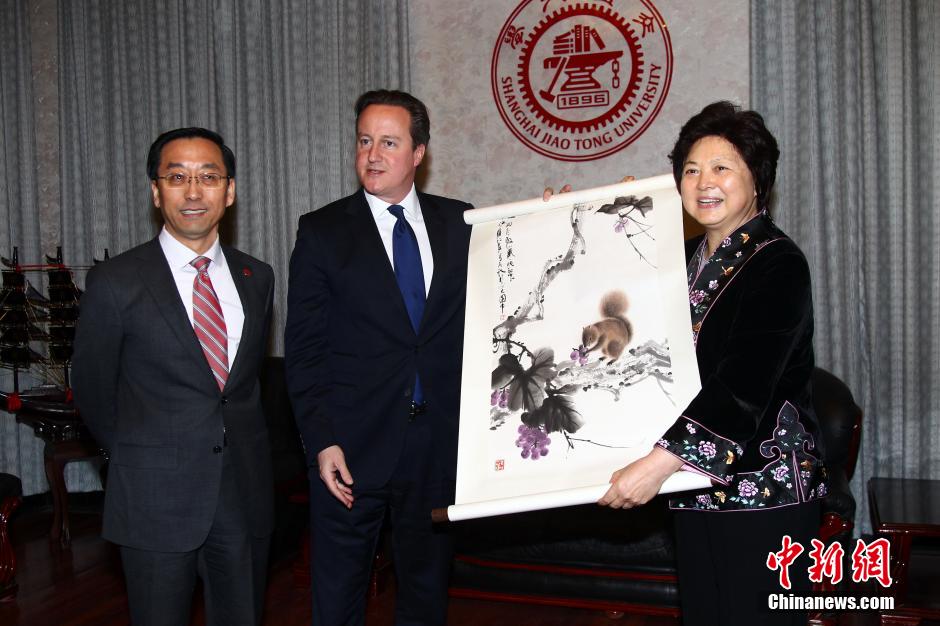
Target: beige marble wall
(474, 156)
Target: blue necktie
(409, 274)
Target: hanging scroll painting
(578, 347)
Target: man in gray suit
(165, 375)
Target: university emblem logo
(578, 81)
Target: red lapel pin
(246, 271)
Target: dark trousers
(343, 542)
(232, 564)
(722, 557)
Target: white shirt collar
(379, 207)
(179, 256)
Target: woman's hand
(638, 482)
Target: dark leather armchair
(11, 491)
(288, 465)
(841, 421)
(623, 561)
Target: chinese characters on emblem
(545, 3)
(513, 36)
(870, 561)
(646, 23)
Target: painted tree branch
(531, 310)
(648, 360)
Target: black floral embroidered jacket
(752, 427)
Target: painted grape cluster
(533, 441)
(579, 356)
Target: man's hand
(549, 192)
(335, 475)
(638, 482)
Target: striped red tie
(208, 321)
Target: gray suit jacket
(143, 387)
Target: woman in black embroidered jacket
(751, 427)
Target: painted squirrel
(611, 334)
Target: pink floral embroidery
(708, 449)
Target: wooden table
(907, 512)
(66, 440)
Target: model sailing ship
(36, 334)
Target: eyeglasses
(209, 180)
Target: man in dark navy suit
(373, 349)
(165, 374)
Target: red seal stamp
(580, 80)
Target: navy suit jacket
(351, 352)
(146, 393)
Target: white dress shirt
(385, 222)
(184, 275)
